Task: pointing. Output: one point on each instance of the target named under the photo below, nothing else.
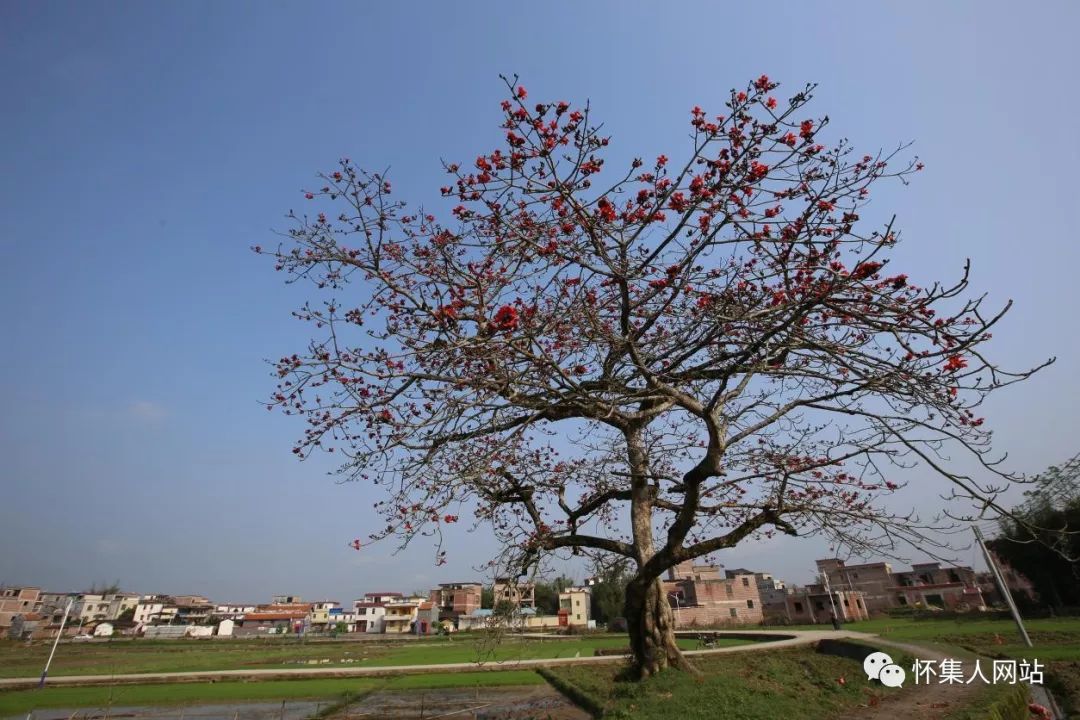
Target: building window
(734, 612)
(750, 604)
(901, 599)
(798, 607)
(730, 592)
(858, 603)
(746, 582)
(819, 605)
(846, 603)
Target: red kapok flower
(506, 318)
(954, 363)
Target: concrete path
(792, 638)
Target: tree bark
(651, 625)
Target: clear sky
(146, 146)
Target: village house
(507, 590)
(155, 610)
(319, 617)
(925, 585)
(369, 616)
(232, 611)
(17, 601)
(403, 616)
(700, 597)
(273, 619)
(456, 599)
(575, 607)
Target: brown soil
(533, 702)
(918, 702)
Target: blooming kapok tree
(656, 362)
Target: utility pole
(832, 603)
(678, 606)
(1001, 585)
(56, 642)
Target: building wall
(120, 603)
(369, 617)
(18, 601)
(729, 601)
(926, 584)
(456, 599)
(577, 602)
(519, 594)
(689, 571)
(154, 613)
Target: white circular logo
(892, 676)
(873, 663)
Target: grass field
(1056, 644)
(797, 683)
(137, 656)
(330, 690)
(782, 683)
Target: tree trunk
(651, 625)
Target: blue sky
(147, 146)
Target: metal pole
(678, 605)
(56, 642)
(1002, 586)
(832, 604)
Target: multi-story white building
(320, 612)
(369, 616)
(576, 603)
(119, 603)
(403, 614)
(155, 610)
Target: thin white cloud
(146, 411)
(108, 546)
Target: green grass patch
(784, 683)
(19, 701)
(142, 656)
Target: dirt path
(508, 703)
(925, 701)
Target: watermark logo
(950, 671)
(880, 666)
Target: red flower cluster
(606, 210)
(506, 318)
(865, 269)
(954, 363)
